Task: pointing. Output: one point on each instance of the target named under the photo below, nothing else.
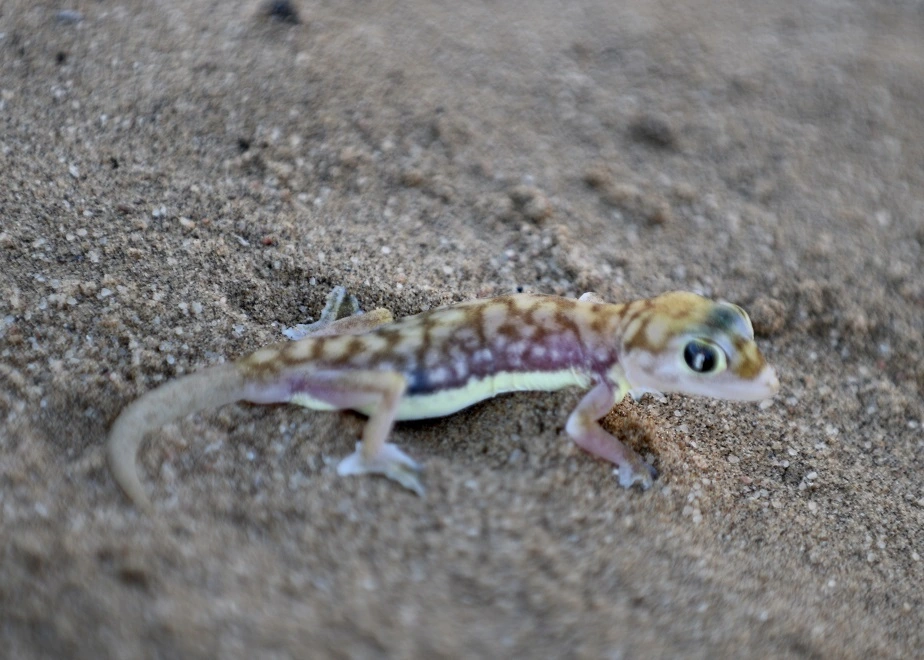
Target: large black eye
(701, 357)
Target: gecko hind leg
(378, 395)
(353, 325)
(341, 316)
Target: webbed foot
(390, 462)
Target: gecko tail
(212, 387)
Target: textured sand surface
(181, 180)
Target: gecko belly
(445, 401)
(441, 402)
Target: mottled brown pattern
(510, 330)
(413, 339)
(639, 311)
(639, 339)
(634, 310)
(354, 347)
(295, 352)
(750, 362)
(475, 315)
(599, 322)
(439, 349)
(566, 321)
(392, 337)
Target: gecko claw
(390, 462)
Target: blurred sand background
(181, 180)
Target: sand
(180, 181)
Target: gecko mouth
(764, 386)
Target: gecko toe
(407, 477)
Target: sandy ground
(181, 180)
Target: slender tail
(209, 388)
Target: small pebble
(531, 202)
(282, 11)
(768, 316)
(598, 176)
(655, 130)
(68, 16)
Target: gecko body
(442, 360)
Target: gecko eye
(703, 357)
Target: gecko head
(682, 342)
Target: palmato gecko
(442, 360)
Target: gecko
(445, 359)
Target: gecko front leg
(585, 430)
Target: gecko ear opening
(704, 357)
